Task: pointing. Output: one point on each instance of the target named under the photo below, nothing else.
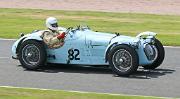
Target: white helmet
(52, 23)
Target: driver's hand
(61, 35)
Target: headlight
(149, 40)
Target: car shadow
(148, 74)
(140, 74)
(57, 68)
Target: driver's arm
(61, 35)
(49, 39)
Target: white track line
(4, 57)
(85, 92)
(7, 39)
(172, 46)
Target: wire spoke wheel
(31, 54)
(122, 60)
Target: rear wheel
(160, 56)
(123, 60)
(32, 54)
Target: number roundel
(73, 54)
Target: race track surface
(164, 81)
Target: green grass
(22, 93)
(14, 21)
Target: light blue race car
(86, 47)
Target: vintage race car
(84, 46)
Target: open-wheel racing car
(86, 47)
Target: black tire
(160, 57)
(32, 54)
(130, 59)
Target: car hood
(124, 39)
(104, 39)
(99, 38)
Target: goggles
(54, 25)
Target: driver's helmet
(52, 23)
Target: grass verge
(25, 93)
(15, 21)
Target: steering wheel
(69, 29)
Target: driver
(54, 36)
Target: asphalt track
(163, 82)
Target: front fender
(146, 34)
(125, 40)
(110, 46)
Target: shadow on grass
(140, 74)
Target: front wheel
(123, 60)
(160, 56)
(32, 54)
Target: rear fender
(34, 37)
(20, 42)
(25, 38)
